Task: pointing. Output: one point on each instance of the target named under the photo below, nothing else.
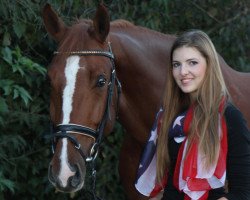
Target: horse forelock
(75, 36)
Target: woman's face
(189, 69)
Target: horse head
(84, 94)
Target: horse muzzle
(68, 178)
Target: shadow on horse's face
(82, 84)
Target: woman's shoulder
(236, 123)
(232, 113)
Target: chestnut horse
(85, 99)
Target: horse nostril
(75, 180)
(50, 174)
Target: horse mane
(121, 23)
(81, 27)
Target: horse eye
(101, 81)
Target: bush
(26, 50)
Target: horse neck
(238, 86)
(141, 62)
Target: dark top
(238, 161)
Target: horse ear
(101, 23)
(53, 24)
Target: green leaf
(18, 68)
(16, 94)
(6, 86)
(19, 29)
(3, 105)
(6, 184)
(6, 39)
(7, 55)
(20, 91)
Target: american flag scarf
(189, 175)
(146, 175)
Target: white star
(178, 121)
(179, 139)
(153, 136)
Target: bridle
(64, 130)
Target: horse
(106, 70)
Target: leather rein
(63, 130)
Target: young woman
(203, 145)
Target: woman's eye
(193, 63)
(101, 81)
(175, 65)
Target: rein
(64, 130)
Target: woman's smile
(186, 81)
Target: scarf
(189, 174)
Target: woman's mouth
(186, 80)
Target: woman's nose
(183, 70)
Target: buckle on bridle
(93, 151)
(78, 147)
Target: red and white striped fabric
(190, 175)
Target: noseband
(65, 130)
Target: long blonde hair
(204, 125)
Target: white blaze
(71, 69)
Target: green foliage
(107, 162)
(25, 50)
(21, 108)
(226, 22)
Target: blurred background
(26, 50)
